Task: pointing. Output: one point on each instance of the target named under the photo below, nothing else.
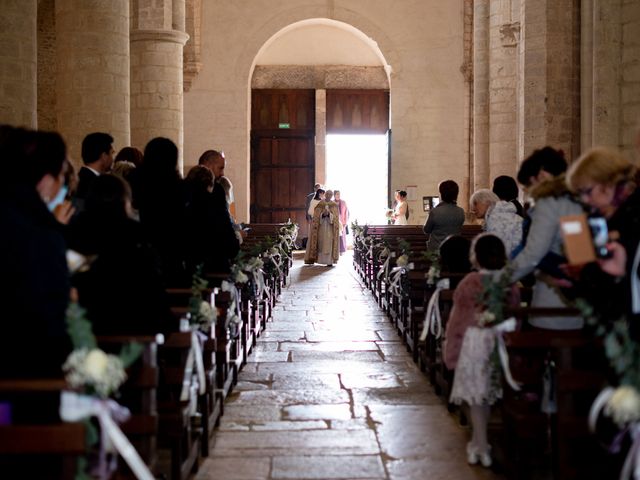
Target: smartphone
(600, 236)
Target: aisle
(330, 393)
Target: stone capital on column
(170, 36)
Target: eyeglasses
(585, 192)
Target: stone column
(586, 74)
(504, 35)
(18, 58)
(157, 73)
(552, 75)
(321, 136)
(92, 79)
(481, 94)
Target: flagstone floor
(331, 393)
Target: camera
(600, 236)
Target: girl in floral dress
(468, 346)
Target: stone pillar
(551, 75)
(586, 74)
(481, 94)
(18, 58)
(157, 73)
(504, 36)
(92, 78)
(321, 136)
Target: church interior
(320, 239)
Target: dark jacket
(444, 220)
(162, 205)
(212, 238)
(86, 177)
(122, 290)
(34, 287)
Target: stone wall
(630, 85)
(47, 65)
(18, 62)
(419, 39)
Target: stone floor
(331, 393)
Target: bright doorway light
(358, 166)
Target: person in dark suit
(34, 278)
(213, 242)
(162, 200)
(122, 290)
(97, 155)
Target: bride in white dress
(400, 213)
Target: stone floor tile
(370, 380)
(285, 425)
(354, 442)
(328, 346)
(289, 397)
(255, 468)
(325, 467)
(282, 336)
(323, 412)
(310, 381)
(314, 356)
(268, 357)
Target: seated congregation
(535, 352)
(128, 283)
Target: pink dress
(468, 347)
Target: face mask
(58, 199)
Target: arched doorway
(312, 78)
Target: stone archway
(320, 54)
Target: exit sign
(284, 125)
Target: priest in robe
(324, 236)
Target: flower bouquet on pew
(615, 413)
(202, 315)
(93, 377)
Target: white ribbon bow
(195, 356)
(508, 325)
(631, 467)
(75, 407)
(433, 319)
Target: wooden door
(282, 174)
(282, 154)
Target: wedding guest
(506, 188)
(400, 213)
(131, 155)
(322, 246)
(343, 212)
(162, 202)
(212, 239)
(454, 255)
(97, 156)
(446, 218)
(469, 346)
(500, 218)
(605, 182)
(543, 250)
(34, 277)
(122, 290)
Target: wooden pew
(138, 394)
(576, 361)
(39, 447)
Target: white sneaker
(485, 459)
(472, 454)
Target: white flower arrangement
(402, 261)
(624, 406)
(240, 277)
(94, 370)
(433, 274)
(204, 316)
(486, 318)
